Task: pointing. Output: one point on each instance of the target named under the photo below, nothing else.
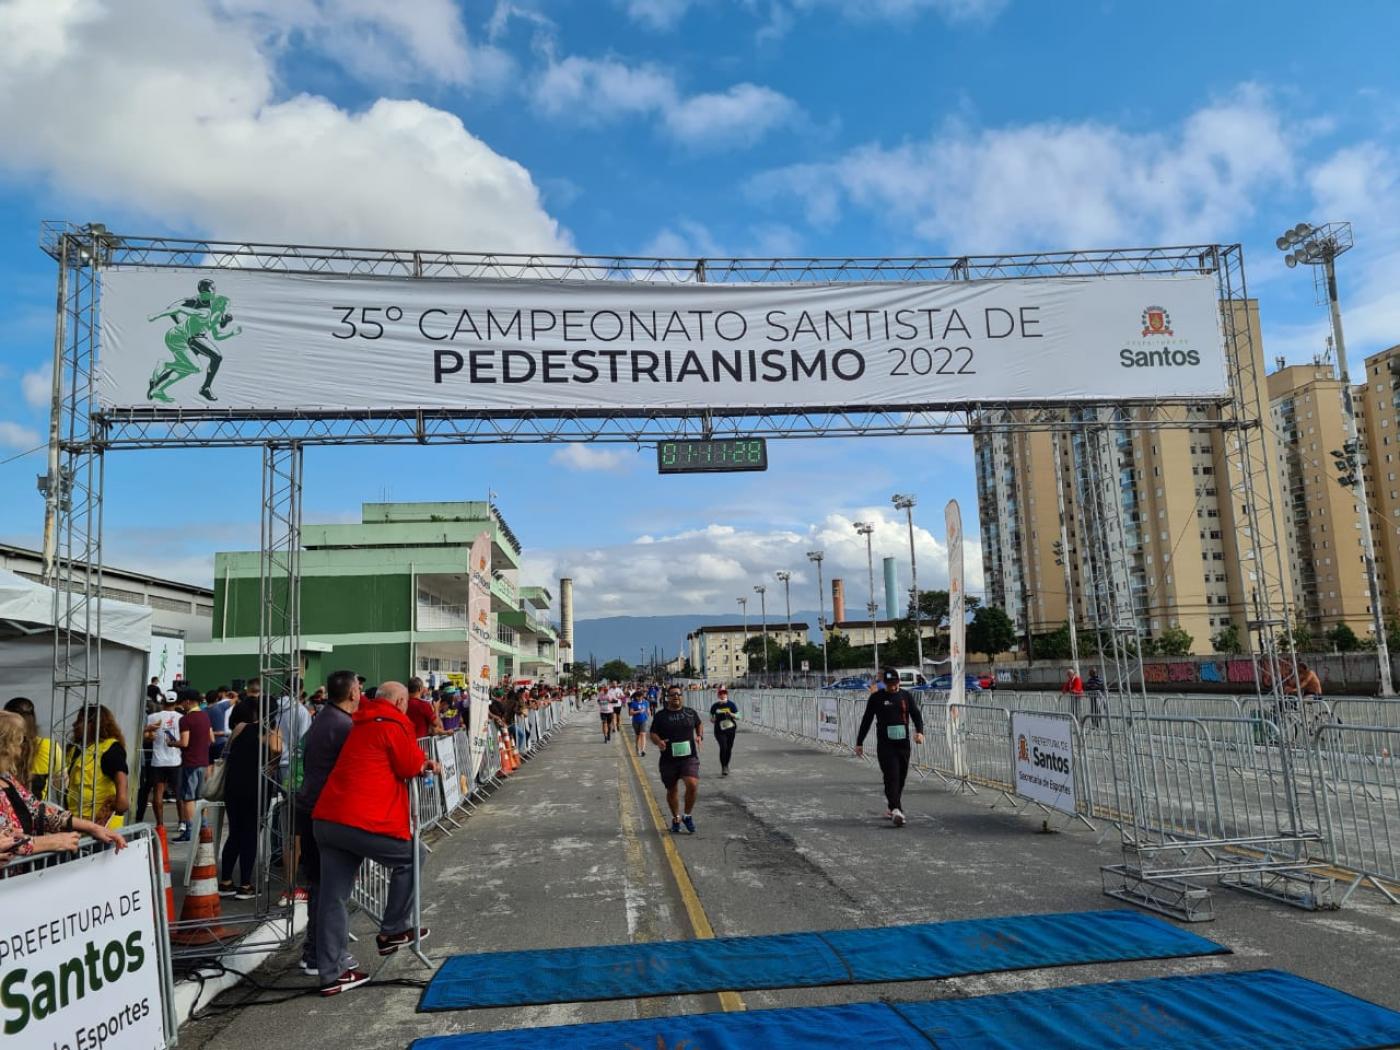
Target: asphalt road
(566, 854)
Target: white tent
(26, 650)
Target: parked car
(852, 682)
(987, 681)
(944, 682)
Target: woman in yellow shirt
(97, 768)
(38, 750)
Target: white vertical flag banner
(480, 630)
(957, 631)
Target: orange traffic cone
(507, 766)
(202, 908)
(165, 877)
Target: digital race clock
(693, 457)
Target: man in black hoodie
(891, 709)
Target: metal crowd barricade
(1359, 769)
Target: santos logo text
(1158, 358)
(1046, 760)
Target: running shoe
(390, 943)
(226, 889)
(349, 979)
(244, 893)
(299, 894)
(897, 815)
(309, 968)
(689, 823)
(675, 826)
(724, 772)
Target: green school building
(387, 598)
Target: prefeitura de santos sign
(260, 341)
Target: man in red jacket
(362, 814)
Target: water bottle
(428, 780)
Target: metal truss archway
(89, 433)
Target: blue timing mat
(796, 960)
(1218, 1011)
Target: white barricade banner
(78, 962)
(481, 629)
(829, 720)
(235, 339)
(1042, 754)
(446, 754)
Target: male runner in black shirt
(677, 731)
(892, 709)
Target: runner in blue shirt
(640, 710)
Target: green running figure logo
(192, 320)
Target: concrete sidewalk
(565, 854)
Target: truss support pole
(73, 494)
(279, 627)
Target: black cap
(890, 675)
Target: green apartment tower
(386, 597)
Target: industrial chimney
(891, 590)
(566, 618)
(838, 601)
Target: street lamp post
(1320, 246)
(763, 612)
(786, 577)
(817, 557)
(906, 504)
(867, 530)
(744, 609)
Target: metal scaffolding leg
(73, 499)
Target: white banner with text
(1043, 758)
(78, 962)
(263, 341)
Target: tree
(1299, 638)
(990, 632)
(1173, 642)
(1053, 645)
(903, 648)
(1343, 639)
(933, 607)
(615, 671)
(777, 654)
(1228, 641)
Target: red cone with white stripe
(199, 918)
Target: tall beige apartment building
(1378, 418)
(1191, 563)
(1322, 520)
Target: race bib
(899, 732)
(680, 749)
(727, 724)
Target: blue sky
(747, 127)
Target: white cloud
(657, 14)
(170, 113)
(585, 457)
(599, 90)
(741, 115)
(704, 570)
(1056, 184)
(686, 238)
(37, 386)
(17, 436)
(379, 41)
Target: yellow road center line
(730, 1002)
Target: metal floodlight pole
(817, 557)
(744, 609)
(763, 613)
(1320, 246)
(786, 577)
(866, 529)
(907, 504)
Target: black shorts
(674, 769)
(605, 716)
(167, 775)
